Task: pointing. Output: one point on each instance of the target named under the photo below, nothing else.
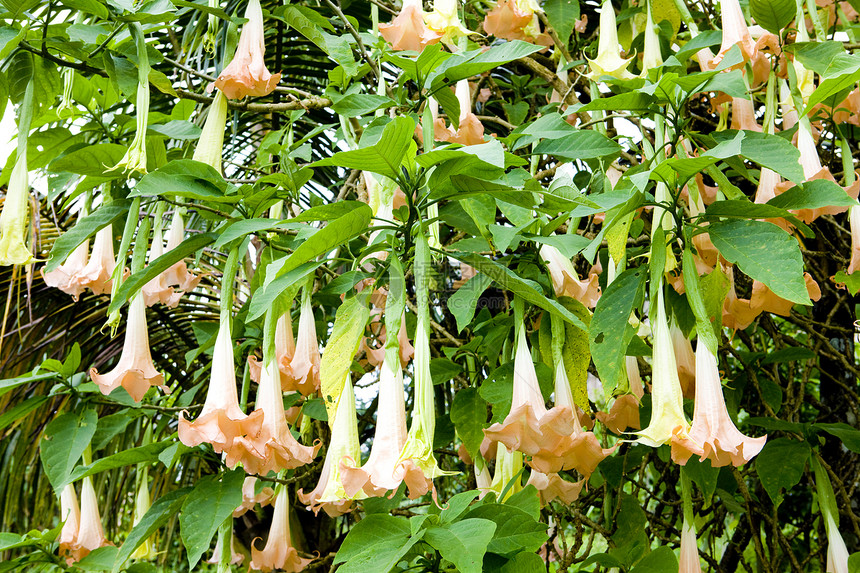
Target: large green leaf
(384, 157)
(813, 195)
(773, 15)
(185, 178)
(764, 252)
(463, 543)
(469, 415)
(780, 465)
(660, 560)
(212, 500)
(64, 441)
(141, 454)
(516, 530)
(95, 160)
(610, 331)
(85, 228)
(376, 543)
(562, 15)
(464, 301)
(582, 144)
(156, 516)
(344, 340)
(482, 61)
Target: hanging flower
(554, 487)
(652, 56)
(689, 558)
(743, 115)
(221, 420)
(177, 275)
(623, 414)
(305, 364)
(767, 183)
(343, 452)
(470, 130)
(516, 20)
(70, 515)
(251, 498)
(141, 506)
(134, 160)
(854, 222)
(667, 403)
(210, 145)
(246, 74)
(96, 275)
(13, 217)
(735, 32)
(236, 558)
(509, 464)
(407, 31)
(67, 277)
(285, 349)
(608, 61)
(444, 21)
(274, 448)
(156, 291)
(837, 552)
(685, 359)
(713, 434)
(135, 371)
(279, 552)
(565, 280)
(91, 535)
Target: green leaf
(562, 15)
(11, 383)
(20, 410)
(65, 439)
(156, 516)
(177, 129)
(9, 39)
(851, 282)
(630, 101)
(744, 209)
(243, 227)
(205, 508)
(507, 279)
(774, 152)
(469, 415)
(833, 85)
(850, 436)
(94, 160)
(516, 530)
(582, 144)
(492, 58)
(524, 563)
(141, 454)
(764, 252)
(773, 15)
(376, 543)
(660, 560)
(780, 465)
(463, 543)
(100, 559)
(354, 105)
(528, 500)
(85, 228)
(456, 506)
(264, 298)
(136, 281)
(610, 332)
(185, 178)
(463, 302)
(385, 157)
(704, 475)
(813, 195)
(345, 337)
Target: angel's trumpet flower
(685, 359)
(275, 448)
(13, 217)
(279, 552)
(141, 506)
(250, 497)
(508, 466)
(735, 32)
(689, 558)
(157, 291)
(210, 145)
(236, 558)
(91, 534)
(222, 419)
(70, 515)
(565, 280)
(652, 56)
(135, 371)
(554, 487)
(837, 552)
(177, 275)
(417, 465)
(743, 115)
(854, 221)
(713, 434)
(67, 277)
(516, 20)
(305, 363)
(608, 61)
(134, 160)
(343, 451)
(96, 276)
(407, 31)
(767, 182)
(444, 21)
(471, 130)
(667, 402)
(246, 74)
(285, 349)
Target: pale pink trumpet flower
(250, 497)
(96, 276)
(178, 275)
(285, 349)
(609, 61)
(91, 534)
(135, 370)
(67, 276)
(554, 487)
(279, 553)
(566, 281)
(222, 419)
(713, 434)
(157, 291)
(246, 74)
(407, 30)
(685, 359)
(689, 558)
(735, 32)
(305, 363)
(70, 515)
(854, 222)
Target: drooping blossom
(251, 498)
(470, 130)
(516, 20)
(685, 359)
(134, 160)
(210, 145)
(735, 32)
(667, 402)
(135, 371)
(157, 291)
(279, 553)
(623, 414)
(608, 61)
(177, 275)
(14, 216)
(743, 115)
(713, 434)
(407, 30)
(221, 421)
(651, 57)
(285, 349)
(91, 534)
(274, 449)
(96, 276)
(343, 451)
(689, 558)
(70, 515)
(767, 183)
(142, 503)
(67, 276)
(566, 281)
(246, 74)
(837, 552)
(509, 463)
(444, 21)
(305, 364)
(236, 558)
(854, 222)
(554, 487)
